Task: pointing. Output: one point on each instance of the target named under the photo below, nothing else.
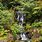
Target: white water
(18, 17)
(23, 36)
(21, 19)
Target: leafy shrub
(6, 19)
(37, 24)
(28, 26)
(15, 29)
(5, 16)
(40, 32)
(2, 31)
(2, 7)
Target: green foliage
(40, 31)
(2, 7)
(31, 8)
(5, 16)
(2, 31)
(37, 24)
(28, 26)
(15, 29)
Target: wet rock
(10, 37)
(3, 40)
(18, 37)
(36, 35)
(29, 35)
(19, 41)
(40, 40)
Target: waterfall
(23, 36)
(20, 18)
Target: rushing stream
(20, 18)
(23, 36)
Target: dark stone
(40, 40)
(28, 35)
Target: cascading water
(20, 19)
(23, 36)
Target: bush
(2, 7)
(28, 26)
(16, 29)
(37, 24)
